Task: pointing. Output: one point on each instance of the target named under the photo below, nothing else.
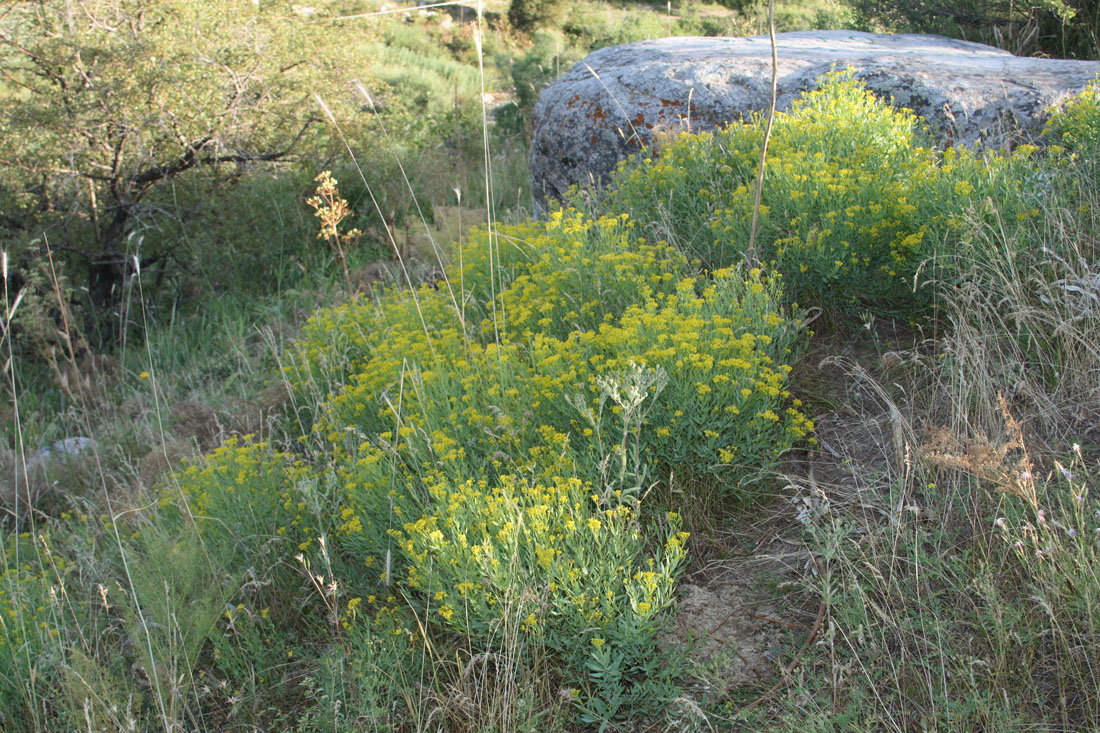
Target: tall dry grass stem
(750, 254)
(460, 312)
(378, 210)
(499, 320)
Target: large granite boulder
(618, 98)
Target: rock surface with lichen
(620, 98)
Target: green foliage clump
(539, 562)
(128, 148)
(853, 205)
(525, 15)
(724, 355)
(248, 490)
(1077, 124)
(494, 436)
(100, 119)
(575, 304)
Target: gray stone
(23, 484)
(618, 98)
(64, 449)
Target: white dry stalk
(751, 255)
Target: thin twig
(751, 255)
(797, 657)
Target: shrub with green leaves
(244, 490)
(1077, 124)
(518, 560)
(493, 437)
(253, 506)
(573, 302)
(525, 15)
(854, 205)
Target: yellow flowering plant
(244, 490)
(539, 559)
(577, 273)
(725, 352)
(264, 516)
(855, 203)
(490, 438)
(1077, 125)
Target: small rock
(25, 483)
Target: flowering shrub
(853, 204)
(245, 490)
(724, 353)
(1077, 125)
(514, 560)
(357, 350)
(579, 273)
(581, 307)
(492, 438)
(565, 274)
(511, 560)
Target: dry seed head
(363, 90)
(325, 109)
(103, 596)
(1005, 463)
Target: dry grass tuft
(161, 459)
(194, 421)
(1004, 463)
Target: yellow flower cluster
(539, 554)
(1077, 124)
(852, 203)
(458, 418)
(245, 489)
(724, 351)
(587, 300)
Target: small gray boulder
(67, 463)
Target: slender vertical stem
(751, 254)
